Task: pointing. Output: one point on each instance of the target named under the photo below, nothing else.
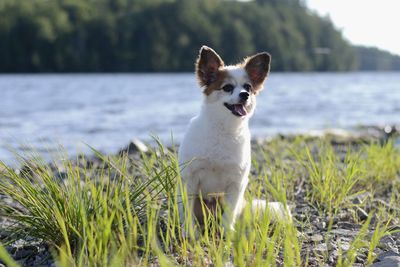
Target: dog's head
(232, 89)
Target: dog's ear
(207, 66)
(257, 68)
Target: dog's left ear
(257, 68)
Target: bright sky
(365, 22)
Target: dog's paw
(279, 212)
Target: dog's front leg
(233, 204)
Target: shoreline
(361, 133)
(337, 136)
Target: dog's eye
(247, 87)
(228, 88)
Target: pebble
(388, 242)
(321, 225)
(387, 259)
(301, 217)
(361, 198)
(345, 246)
(361, 258)
(347, 226)
(61, 176)
(361, 214)
(317, 238)
(321, 247)
(344, 232)
(135, 146)
(23, 253)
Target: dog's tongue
(240, 109)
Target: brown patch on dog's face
(257, 68)
(217, 84)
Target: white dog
(217, 142)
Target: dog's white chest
(218, 161)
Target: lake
(107, 110)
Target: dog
(217, 141)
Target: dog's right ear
(207, 66)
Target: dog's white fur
(217, 142)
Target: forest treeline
(165, 35)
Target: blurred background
(102, 72)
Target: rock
(347, 226)
(316, 238)
(322, 225)
(361, 214)
(334, 133)
(28, 171)
(135, 146)
(23, 253)
(321, 247)
(385, 254)
(361, 198)
(301, 217)
(333, 256)
(84, 162)
(29, 252)
(361, 258)
(388, 243)
(345, 246)
(382, 133)
(373, 131)
(60, 176)
(387, 259)
(344, 232)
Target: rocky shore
(324, 237)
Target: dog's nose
(244, 96)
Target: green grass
(123, 212)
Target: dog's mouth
(237, 109)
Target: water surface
(107, 110)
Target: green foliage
(92, 219)
(376, 59)
(164, 35)
(124, 212)
(332, 179)
(383, 165)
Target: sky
(365, 22)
